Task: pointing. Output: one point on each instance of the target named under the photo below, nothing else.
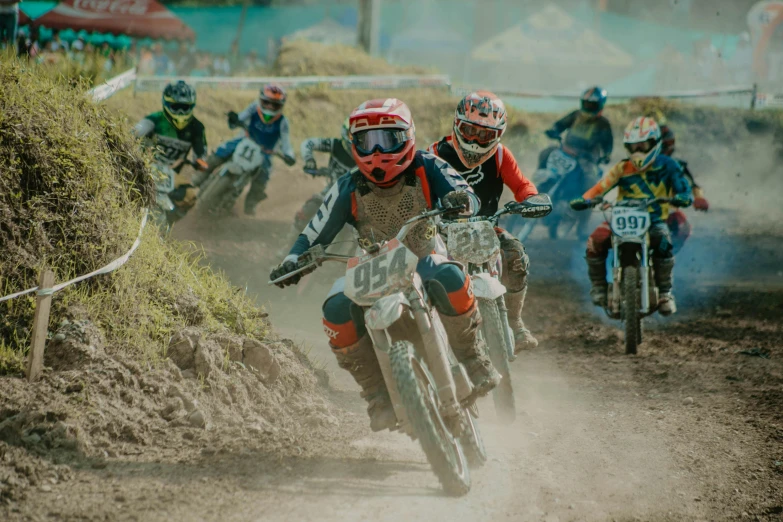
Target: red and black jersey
(487, 180)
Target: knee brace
(342, 324)
(450, 291)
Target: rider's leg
(257, 192)
(354, 351)
(663, 265)
(215, 160)
(451, 293)
(598, 245)
(679, 228)
(514, 278)
(183, 196)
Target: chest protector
(381, 212)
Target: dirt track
(688, 430)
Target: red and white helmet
(479, 123)
(271, 102)
(642, 139)
(382, 139)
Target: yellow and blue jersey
(663, 179)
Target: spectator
(21, 46)
(9, 22)
(186, 60)
(33, 47)
(163, 64)
(57, 42)
(146, 62)
(220, 66)
(252, 62)
(202, 65)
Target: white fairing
(385, 312)
(487, 287)
(630, 224)
(247, 157)
(560, 163)
(475, 243)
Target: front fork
(617, 275)
(503, 311)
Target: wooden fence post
(40, 326)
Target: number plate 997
(630, 222)
(368, 278)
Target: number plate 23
(369, 278)
(560, 163)
(475, 243)
(630, 222)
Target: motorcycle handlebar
(592, 203)
(322, 172)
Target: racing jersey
(268, 135)
(340, 160)
(587, 135)
(663, 179)
(487, 179)
(172, 144)
(339, 208)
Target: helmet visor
(383, 140)
(180, 108)
(593, 107)
(476, 133)
(643, 146)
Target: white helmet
(642, 139)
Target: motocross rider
(646, 173)
(265, 125)
(474, 150)
(589, 137)
(392, 183)
(340, 161)
(678, 224)
(174, 132)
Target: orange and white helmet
(642, 140)
(382, 139)
(271, 102)
(479, 123)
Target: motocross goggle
(592, 107)
(643, 146)
(470, 132)
(271, 105)
(385, 141)
(180, 108)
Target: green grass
(73, 184)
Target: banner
(106, 90)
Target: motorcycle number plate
(248, 155)
(164, 178)
(373, 276)
(630, 222)
(475, 243)
(560, 163)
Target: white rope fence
(111, 267)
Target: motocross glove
(289, 160)
(579, 204)
(233, 119)
(680, 201)
(201, 164)
(459, 200)
(310, 165)
(552, 133)
(701, 204)
(286, 267)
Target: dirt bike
(474, 243)
(164, 177)
(219, 192)
(426, 383)
(563, 179)
(633, 294)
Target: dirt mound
(303, 58)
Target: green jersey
(172, 144)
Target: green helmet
(179, 100)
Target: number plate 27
(630, 222)
(371, 277)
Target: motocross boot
(362, 363)
(663, 280)
(470, 351)
(523, 339)
(596, 270)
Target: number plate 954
(373, 276)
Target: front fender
(385, 311)
(487, 287)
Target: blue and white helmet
(593, 100)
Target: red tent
(139, 18)
(23, 18)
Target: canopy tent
(24, 19)
(138, 18)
